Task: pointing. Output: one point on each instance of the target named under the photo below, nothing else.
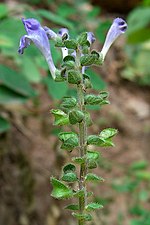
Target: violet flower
(38, 36)
(118, 27)
(62, 33)
(90, 37)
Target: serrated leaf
(85, 217)
(69, 177)
(71, 44)
(60, 190)
(69, 139)
(88, 60)
(61, 118)
(79, 193)
(74, 77)
(82, 39)
(95, 140)
(93, 205)
(4, 125)
(108, 133)
(94, 155)
(69, 168)
(93, 177)
(68, 102)
(92, 99)
(76, 116)
(78, 160)
(72, 207)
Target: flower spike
(38, 36)
(118, 27)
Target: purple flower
(90, 37)
(39, 37)
(118, 27)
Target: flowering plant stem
(82, 152)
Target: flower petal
(118, 27)
(24, 43)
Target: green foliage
(84, 217)
(60, 190)
(76, 116)
(69, 140)
(61, 118)
(93, 205)
(93, 177)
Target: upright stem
(82, 152)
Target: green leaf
(60, 190)
(74, 77)
(96, 80)
(139, 165)
(10, 97)
(93, 177)
(108, 133)
(15, 81)
(93, 205)
(3, 10)
(76, 116)
(143, 175)
(71, 44)
(85, 217)
(79, 193)
(69, 102)
(55, 18)
(93, 155)
(88, 120)
(30, 69)
(92, 99)
(78, 160)
(56, 90)
(61, 118)
(72, 207)
(82, 39)
(69, 177)
(69, 139)
(4, 125)
(69, 168)
(95, 140)
(88, 60)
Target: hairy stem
(82, 152)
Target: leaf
(78, 160)
(74, 77)
(4, 125)
(56, 90)
(72, 207)
(71, 44)
(60, 190)
(82, 39)
(69, 139)
(139, 165)
(3, 10)
(15, 81)
(94, 140)
(108, 133)
(93, 155)
(55, 18)
(93, 177)
(30, 69)
(93, 205)
(61, 118)
(143, 175)
(85, 217)
(96, 80)
(79, 193)
(69, 177)
(69, 168)
(10, 97)
(69, 102)
(76, 116)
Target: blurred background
(29, 149)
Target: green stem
(82, 152)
